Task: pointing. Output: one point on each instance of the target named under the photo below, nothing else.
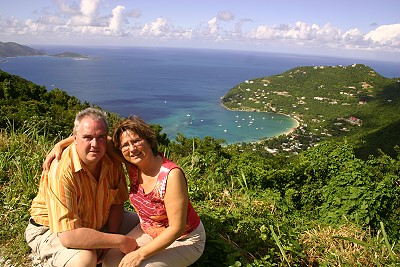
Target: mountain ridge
(12, 49)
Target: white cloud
(353, 37)
(213, 26)
(66, 9)
(385, 35)
(225, 15)
(89, 8)
(301, 31)
(10, 25)
(239, 25)
(34, 27)
(88, 13)
(134, 13)
(117, 20)
(80, 21)
(51, 20)
(186, 34)
(326, 34)
(87, 18)
(155, 28)
(263, 32)
(160, 28)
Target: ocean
(180, 89)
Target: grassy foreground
(324, 208)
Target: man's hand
(129, 244)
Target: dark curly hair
(138, 126)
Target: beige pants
(182, 252)
(48, 248)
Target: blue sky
(354, 28)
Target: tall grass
(235, 215)
(21, 155)
(349, 245)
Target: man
(79, 207)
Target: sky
(349, 28)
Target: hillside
(328, 101)
(52, 111)
(322, 207)
(12, 49)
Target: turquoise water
(233, 126)
(180, 89)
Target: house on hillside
(355, 121)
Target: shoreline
(288, 132)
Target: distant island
(71, 55)
(12, 49)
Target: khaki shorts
(48, 249)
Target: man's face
(91, 140)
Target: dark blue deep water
(180, 89)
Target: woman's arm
(58, 148)
(56, 152)
(176, 203)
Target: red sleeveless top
(150, 207)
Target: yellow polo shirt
(69, 197)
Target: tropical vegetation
(335, 201)
(330, 102)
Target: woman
(170, 232)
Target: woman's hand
(132, 259)
(55, 153)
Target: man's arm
(86, 238)
(62, 199)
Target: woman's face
(133, 148)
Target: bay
(180, 89)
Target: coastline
(287, 133)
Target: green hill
(322, 207)
(22, 101)
(328, 101)
(12, 49)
